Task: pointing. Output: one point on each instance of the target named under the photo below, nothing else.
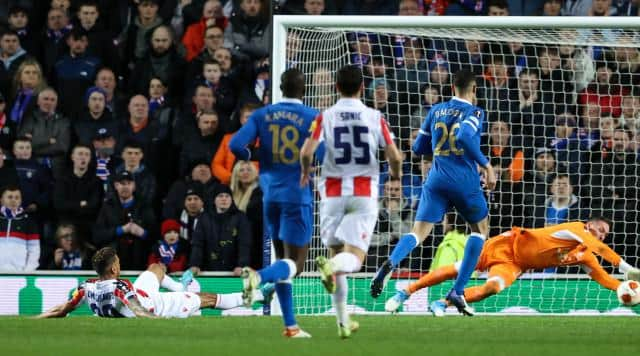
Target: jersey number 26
(450, 136)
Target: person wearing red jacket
(193, 39)
(170, 251)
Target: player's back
(282, 130)
(106, 298)
(352, 133)
(450, 162)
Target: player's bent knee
(156, 267)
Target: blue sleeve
(246, 135)
(422, 144)
(466, 135)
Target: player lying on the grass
(506, 256)
(112, 297)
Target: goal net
(562, 105)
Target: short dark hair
(88, 3)
(463, 79)
(132, 144)
(604, 219)
(529, 71)
(22, 139)
(292, 83)
(9, 32)
(502, 4)
(210, 61)
(81, 145)
(10, 188)
(349, 79)
(77, 33)
(103, 259)
(16, 9)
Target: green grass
(378, 335)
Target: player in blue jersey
(451, 133)
(282, 129)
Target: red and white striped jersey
(352, 134)
(108, 298)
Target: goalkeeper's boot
(267, 291)
(296, 333)
(186, 279)
(459, 302)
(394, 303)
(250, 283)
(438, 308)
(345, 331)
(327, 275)
(380, 279)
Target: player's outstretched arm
(306, 158)
(139, 310)
(58, 311)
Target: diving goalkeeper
(507, 255)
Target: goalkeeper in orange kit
(507, 255)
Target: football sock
(346, 262)
(284, 290)
(407, 243)
(478, 293)
(279, 271)
(432, 278)
(471, 253)
(168, 283)
(340, 299)
(228, 301)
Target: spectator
(361, 49)
(466, 8)
(77, 195)
(430, 96)
(544, 169)
(132, 156)
(552, 8)
(93, 117)
(380, 97)
(11, 56)
(135, 41)
(104, 145)
(203, 145)
(369, 7)
(224, 159)
(559, 207)
(213, 40)
(405, 8)
(505, 156)
(625, 61)
(126, 223)
(29, 81)
(18, 228)
(223, 92)
(100, 41)
(630, 117)
(74, 73)
(72, 252)
(49, 132)
(138, 128)
(322, 90)
(412, 74)
(222, 239)
(627, 8)
(529, 116)
(589, 133)
(555, 83)
(18, 19)
(194, 37)
(170, 251)
(116, 101)
(498, 8)
(159, 108)
(8, 128)
(8, 173)
(162, 61)
(602, 8)
(51, 41)
(34, 179)
(576, 7)
(247, 195)
(200, 175)
(603, 91)
(495, 87)
(193, 208)
(248, 31)
(187, 122)
(394, 220)
(566, 144)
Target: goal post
(561, 95)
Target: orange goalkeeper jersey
(563, 245)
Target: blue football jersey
(447, 124)
(281, 130)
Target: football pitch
(378, 335)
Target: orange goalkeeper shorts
(498, 259)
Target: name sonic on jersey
(346, 116)
(284, 115)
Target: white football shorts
(348, 220)
(165, 304)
